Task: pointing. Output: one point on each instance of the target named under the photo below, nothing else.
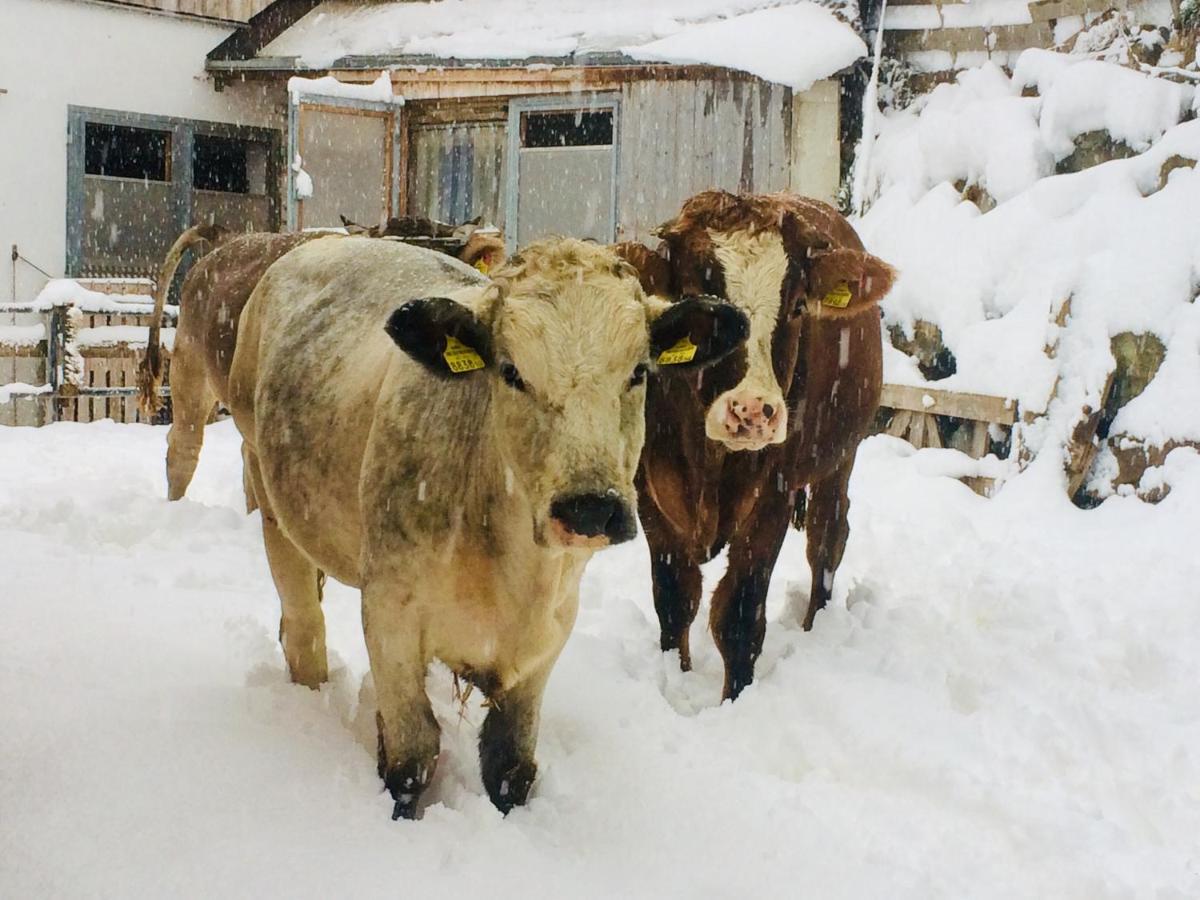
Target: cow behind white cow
(463, 483)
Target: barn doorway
(344, 160)
(562, 168)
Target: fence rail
(76, 364)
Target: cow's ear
(653, 269)
(695, 332)
(802, 236)
(848, 279)
(877, 278)
(443, 336)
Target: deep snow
(1001, 702)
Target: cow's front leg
(508, 740)
(676, 581)
(827, 525)
(738, 616)
(677, 588)
(409, 737)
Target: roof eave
(268, 24)
(288, 65)
(352, 63)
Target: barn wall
(816, 162)
(60, 53)
(233, 10)
(681, 137)
(676, 138)
(456, 172)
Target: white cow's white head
(567, 337)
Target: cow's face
(773, 257)
(567, 338)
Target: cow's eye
(512, 377)
(638, 376)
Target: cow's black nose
(592, 515)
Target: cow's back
(312, 355)
(215, 292)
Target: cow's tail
(149, 376)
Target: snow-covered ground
(1002, 702)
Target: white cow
(463, 483)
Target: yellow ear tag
(481, 265)
(839, 297)
(682, 352)
(461, 358)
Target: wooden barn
(546, 117)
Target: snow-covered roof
(793, 43)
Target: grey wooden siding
(681, 137)
(675, 138)
(456, 172)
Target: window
(562, 141)
(119, 151)
(572, 128)
(127, 200)
(220, 164)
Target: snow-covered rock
(1114, 248)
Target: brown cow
(211, 301)
(730, 451)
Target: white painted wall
(59, 53)
(816, 168)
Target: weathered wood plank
(978, 407)
(23, 351)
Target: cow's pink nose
(749, 417)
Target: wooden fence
(76, 360)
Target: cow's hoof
(405, 783)
(735, 683)
(508, 786)
(405, 808)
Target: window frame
(391, 111)
(168, 175)
(179, 164)
(517, 106)
(242, 144)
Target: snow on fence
(72, 354)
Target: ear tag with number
(682, 352)
(461, 358)
(839, 297)
(481, 265)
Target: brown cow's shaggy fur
(817, 371)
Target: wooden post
(55, 352)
